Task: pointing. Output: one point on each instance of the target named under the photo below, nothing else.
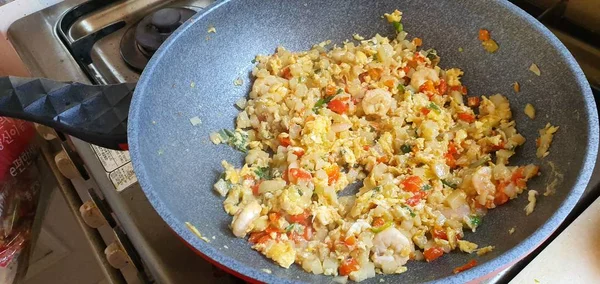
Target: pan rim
(493, 265)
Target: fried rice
(377, 114)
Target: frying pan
(192, 75)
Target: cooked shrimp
(242, 220)
(423, 74)
(377, 101)
(378, 112)
(391, 250)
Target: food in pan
(381, 114)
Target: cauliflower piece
(531, 197)
(367, 270)
(358, 37)
(292, 202)
(543, 143)
(429, 130)
(324, 215)
(357, 227)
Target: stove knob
(166, 20)
(66, 166)
(46, 132)
(116, 255)
(91, 215)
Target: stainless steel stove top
(47, 52)
(79, 40)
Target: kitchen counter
(573, 257)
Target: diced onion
(339, 127)
(215, 138)
(241, 103)
(535, 69)
(530, 111)
(531, 197)
(340, 279)
(221, 187)
(271, 185)
(195, 121)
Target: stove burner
(143, 39)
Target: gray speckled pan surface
(179, 181)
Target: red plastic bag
(15, 137)
(19, 192)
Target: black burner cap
(154, 29)
(141, 40)
(166, 20)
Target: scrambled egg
(484, 250)
(381, 112)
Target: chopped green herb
(435, 107)
(401, 88)
(377, 188)
(449, 184)
(381, 228)
(253, 61)
(301, 79)
(321, 102)
(460, 49)
(376, 57)
(412, 214)
(432, 54)
(290, 227)
(238, 139)
(479, 162)
(475, 220)
(339, 91)
(406, 148)
(398, 26)
(300, 192)
(263, 173)
(426, 187)
(275, 173)
(226, 134)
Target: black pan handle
(93, 113)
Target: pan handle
(93, 113)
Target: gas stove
(106, 42)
